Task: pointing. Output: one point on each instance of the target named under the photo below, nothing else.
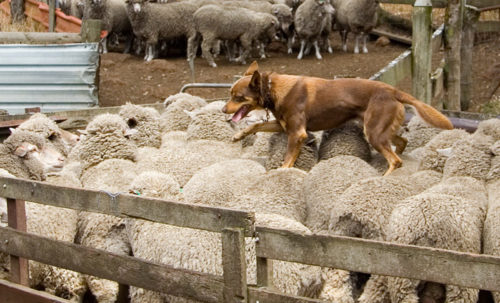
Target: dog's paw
(239, 136)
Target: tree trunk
(452, 43)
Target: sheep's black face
(132, 123)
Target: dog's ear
(252, 68)
(255, 81)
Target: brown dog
(303, 104)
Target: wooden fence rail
(442, 266)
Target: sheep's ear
(255, 81)
(252, 68)
(23, 149)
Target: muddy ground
(127, 78)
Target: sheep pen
(204, 166)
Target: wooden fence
(442, 266)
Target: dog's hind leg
(400, 144)
(295, 142)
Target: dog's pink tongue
(239, 114)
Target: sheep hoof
(263, 56)
(365, 51)
(356, 51)
(213, 64)
(330, 50)
(318, 56)
(290, 51)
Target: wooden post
(452, 43)
(264, 272)
(52, 15)
(91, 30)
(422, 50)
(234, 266)
(16, 212)
(471, 16)
(17, 11)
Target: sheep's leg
(356, 45)
(301, 52)
(308, 48)
(316, 47)
(270, 126)
(343, 36)
(128, 44)
(246, 44)
(262, 50)
(149, 52)
(290, 45)
(104, 43)
(329, 46)
(295, 141)
(365, 49)
(206, 45)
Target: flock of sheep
(446, 195)
(238, 26)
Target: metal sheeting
(52, 77)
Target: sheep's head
(137, 5)
(284, 15)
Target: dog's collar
(266, 98)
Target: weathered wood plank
(488, 26)
(368, 256)
(435, 3)
(471, 16)
(265, 272)
(121, 204)
(91, 30)
(234, 265)
(392, 36)
(264, 295)
(15, 293)
(16, 213)
(35, 37)
(422, 50)
(396, 70)
(123, 269)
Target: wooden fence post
(17, 11)
(91, 30)
(422, 50)
(16, 212)
(264, 272)
(452, 43)
(471, 16)
(52, 15)
(234, 266)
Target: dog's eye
(239, 98)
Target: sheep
(154, 21)
(494, 172)
(410, 164)
(175, 118)
(72, 7)
(490, 127)
(173, 139)
(491, 236)
(146, 121)
(309, 21)
(345, 140)
(418, 133)
(209, 124)
(357, 16)
(183, 162)
(29, 155)
(61, 139)
(277, 148)
(231, 24)
(469, 157)
(434, 154)
(449, 215)
(113, 14)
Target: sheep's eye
(131, 123)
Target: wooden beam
(52, 15)
(234, 266)
(396, 70)
(39, 38)
(16, 212)
(488, 26)
(123, 269)
(265, 295)
(392, 36)
(265, 272)
(120, 204)
(422, 51)
(471, 17)
(381, 258)
(91, 30)
(435, 3)
(15, 293)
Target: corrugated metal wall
(52, 77)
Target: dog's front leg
(270, 126)
(295, 142)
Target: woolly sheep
(434, 154)
(232, 23)
(173, 139)
(410, 164)
(345, 140)
(223, 182)
(29, 155)
(491, 236)
(72, 7)
(469, 157)
(153, 22)
(277, 149)
(358, 17)
(449, 215)
(494, 172)
(490, 127)
(174, 117)
(309, 23)
(184, 161)
(211, 125)
(61, 139)
(146, 121)
(106, 138)
(326, 181)
(418, 133)
(113, 14)
(200, 250)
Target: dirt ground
(127, 78)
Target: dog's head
(246, 94)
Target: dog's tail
(428, 113)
